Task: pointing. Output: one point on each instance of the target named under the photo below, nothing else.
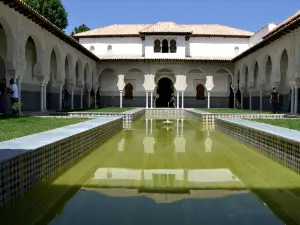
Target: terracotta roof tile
(165, 27)
(165, 58)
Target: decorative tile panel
(279, 144)
(43, 160)
(164, 113)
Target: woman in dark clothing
(274, 99)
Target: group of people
(13, 91)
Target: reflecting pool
(156, 173)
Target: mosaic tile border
(41, 162)
(283, 147)
(210, 117)
(164, 113)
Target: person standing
(14, 96)
(274, 99)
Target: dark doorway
(200, 92)
(231, 97)
(128, 91)
(165, 91)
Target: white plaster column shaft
(242, 99)
(147, 99)
(292, 98)
(151, 101)
(260, 100)
(81, 98)
(60, 97)
(296, 99)
(121, 99)
(177, 99)
(45, 96)
(250, 99)
(209, 85)
(89, 98)
(182, 100)
(72, 98)
(234, 99)
(42, 96)
(95, 99)
(208, 99)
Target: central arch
(164, 80)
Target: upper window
(109, 48)
(236, 51)
(173, 46)
(157, 47)
(165, 46)
(92, 48)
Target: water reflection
(164, 178)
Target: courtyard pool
(181, 173)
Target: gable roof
(165, 27)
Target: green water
(157, 174)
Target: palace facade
(139, 61)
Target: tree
(79, 29)
(53, 10)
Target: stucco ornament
(180, 83)
(149, 83)
(209, 85)
(121, 83)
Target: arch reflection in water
(179, 141)
(164, 179)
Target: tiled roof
(166, 27)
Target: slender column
(296, 100)
(95, 100)
(147, 127)
(121, 98)
(208, 102)
(234, 99)
(250, 100)
(177, 99)
(151, 127)
(242, 99)
(89, 99)
(45, 97)
(261, 100)
(182, 100)
(81, 98)
(182, 127)
(151, 99)
(42, 97)
(72, 98)
(60, 97)
(146, 99)
(20, 97)
(292, 98)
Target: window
(165, 46)
(92, 48)
(157, 47)
(236, 51)
(128, 91)
(173, 46)
(109, 48)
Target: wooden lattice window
(157, 47)
(173, 46)
(200, 92)
(128, 91)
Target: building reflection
(208, 142)
(179, 141)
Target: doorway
(165, 91)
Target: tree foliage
(80, 29)
(53, 10)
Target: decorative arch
(256, 75)
(59, 61)
(268, 72)
(108, 80)
(87, 74)
(31, 59)
(9, 58)
(165, 46)
(157, 47)
(78, 70)
(196, 70)
(164, 73)
(200, 89)
(38, 49)
(284, 66)
(128, 91)
(223, 69)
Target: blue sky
(250, 15)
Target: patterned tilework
(210, 117)
(164, 113)
(279, 144)
(128, 116)
(44, 159)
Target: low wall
(164, 113)
(206, 117)
(279, 144)
(30, 160)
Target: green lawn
(11, 128)
(287, 123)
(225, 110)
(109, 110)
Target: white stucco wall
(258, 36)
(216, 46)
(125, 46)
